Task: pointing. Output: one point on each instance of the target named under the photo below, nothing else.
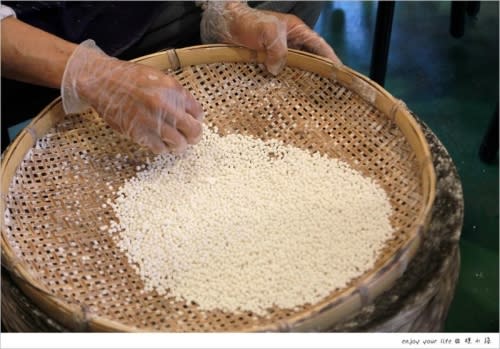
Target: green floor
(452, 85)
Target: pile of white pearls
(239, 224)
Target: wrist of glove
(215, 26)
(144, 104)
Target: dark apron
(114, 26)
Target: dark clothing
(114, 26)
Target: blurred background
(452, 85)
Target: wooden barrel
(56, 178)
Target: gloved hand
(272, 32)
(148, 106)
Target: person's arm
(145, 104)
(32, 55)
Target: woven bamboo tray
(57, 175)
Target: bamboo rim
(324, 314)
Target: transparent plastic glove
(143, 103)
(268, 31)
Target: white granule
(239, 224)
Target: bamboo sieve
(58, 174)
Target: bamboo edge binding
(78, 318)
